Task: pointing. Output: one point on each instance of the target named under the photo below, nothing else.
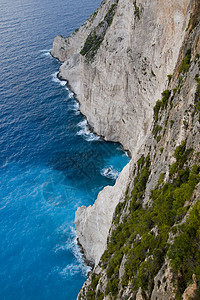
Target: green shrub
(90, 295)
(185, 252)
(197, 96)
(161, 104)
(181, 155)
(91, 45)
(137, 9)
(95, 280)
(156, 130)
(165, 97)
(156, 109)
(100, 296)
(95, 38)
(186, 62)
(169, 77)
(141, 161)
(133, 237)
(112, 286)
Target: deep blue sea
(49, 163)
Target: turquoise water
(49, 163)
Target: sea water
(50, 164)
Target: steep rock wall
(119, 87)
(93, 222)
(156, 257)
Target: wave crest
(86, 133)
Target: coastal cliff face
(118, 84)
(93, 222)
(125, 57)
(129, 48)
(153, 249)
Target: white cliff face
(118, 90)
(93, 222)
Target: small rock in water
(108, 171)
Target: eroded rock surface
(118, 84)
(118, 88)
(93, 222)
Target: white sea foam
(110, 172)
(78, 265)
(1, 208)
(75, 107)
(79, 256)
(83, 124)
(125, 154)
(57, 80)
(46, 52)
(70, 270)
(71, 94)
(86, 133)
(64, 247)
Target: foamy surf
(57, 80)
(46, 52)
(86, 133)
(70, 270)
(75, 107)
(125, 154)
(110, 172)
(71, 94)
(79, 256)
(78, 265)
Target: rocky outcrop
(190, 292)
(93, 222)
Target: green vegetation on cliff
(158, 108)
(185, 252)
(186, 62)
(153, 229)
(161, 104)
(141, 237)
(137, 9)
(96, 37)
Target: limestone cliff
(118, 87)
(125, 57)
(118, 84)
(94, 222)
(153, 244)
